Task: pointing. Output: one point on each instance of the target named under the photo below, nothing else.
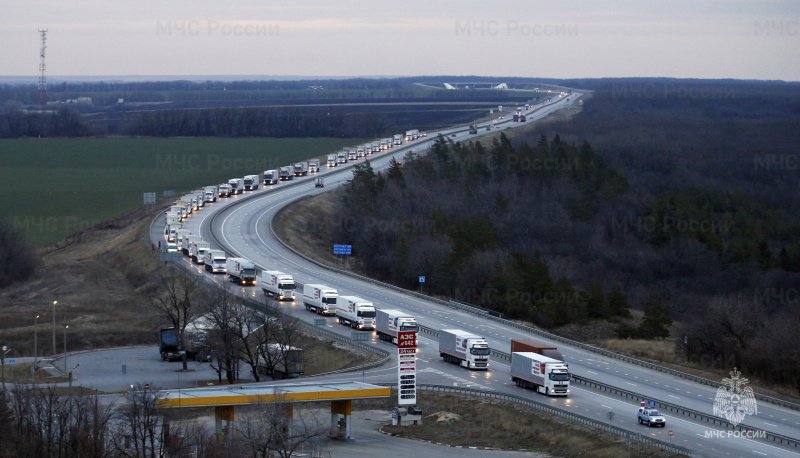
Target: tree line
(554, 233)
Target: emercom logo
(735, 400)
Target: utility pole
(42, 69)
(55, 302)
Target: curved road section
(241, 226)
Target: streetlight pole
(54, 326)
(35, 344)
(3, 366)
(66, 326)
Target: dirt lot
(502, 426)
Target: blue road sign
(342, 249)
(421, 279)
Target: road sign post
(407, 368)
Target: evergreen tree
(618, 303)
(656, 322)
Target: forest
(552, 232)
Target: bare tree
(271, 430)
(139, 425)
(176, 303)
(226, 346)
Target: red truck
(530, 345)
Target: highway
(241, 226)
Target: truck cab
(331, 161)
(651, 417)
(287, 173)
(271, 177)
(251, 182)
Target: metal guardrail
(629, 436)
(694, 414)
(591, 348)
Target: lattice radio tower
(42, 68)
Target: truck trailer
(313, 166)
(397, 140)
(237, 185)
(356, 312)
(286, 173)
(331, 162)
(301, 169)
(464, 348)
(542, 374)
(320, 299)
(278, 284)
(224, 190)
(241, 271)
(534, 346)
(388, 322)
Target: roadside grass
(21, 373)
(503, 426)
(57, 186)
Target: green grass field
(54, 187)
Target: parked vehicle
(355, 312)
(278, 284)
(319, 299)
(536, 347)
(241, 271)
(251, 182)
(301, 169)
(286, 173)
(540, 373)
(464, 348)
(280, 361)
(313, 166)
(271, 177)
(237, 185)
(214, 261)
(195, 340)
(319, 182)
(389, 322)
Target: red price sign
(406, 339)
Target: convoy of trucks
(241, 271)
(319, 299)
(278, 284)
(197, 250)
(301, 169)
(215, 261)
(412, 135)
(355, 312)
(464, 348)
(388, 322)
(286, 173)
(538, 372)
(271, 177)
(237, 185)
(251, 182)
(225, 190)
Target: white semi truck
(331, 161)
(301, 169)
(412, 135)
(186, 243)
(210, 194)
(397, 139)
(341, 157)
(356, 312)
(278, 284)
(251, 182)
(286, 173)
(464, 348)
(225, 190)
(215, 261)
(313, 166)
(198, 250)
(352, 155)
(389, 322)
(241, 271)
(271, 177)
(237, 185)
(320, 299)
(540, 373)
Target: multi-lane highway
(241, 226)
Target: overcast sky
(757, 39)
